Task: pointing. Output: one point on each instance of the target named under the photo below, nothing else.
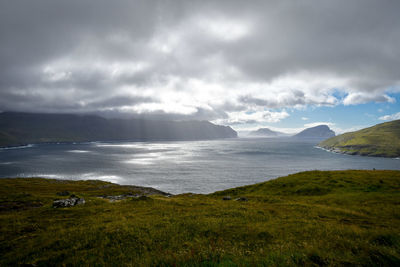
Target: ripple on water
(78, 151)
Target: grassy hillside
(334, 218)
(382, 140)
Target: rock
(69, 202)
(120, 197)
(242, 199)
(80, 201)
(62, 193)
(114, 198)
(226, 198)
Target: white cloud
(253, 116)
(391, 117)
(365, 97)
(230, 62)
(224, 28)
(304, 118)
(313, 124)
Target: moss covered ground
(330, 218)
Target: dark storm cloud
(196, 59)
(345, 37)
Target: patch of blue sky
(342, 116)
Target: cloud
(361, 98)
(228, 61)
(313, 124)
(253, 116)
(304, 118)
(391, 117)
(224, 29)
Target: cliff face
(23, 128)
(319, 132)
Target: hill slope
(335, 218)
(319, 132)
(381, 140)
(23, 128)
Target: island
(381, 140)
(316, 133)
(319, 132)
(266, 132)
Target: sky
(283, 64)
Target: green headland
(382, 140)
(331, 218)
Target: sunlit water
(178, 167)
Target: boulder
(120, 197)
(242, 199)
(69, 202)
(226, 198)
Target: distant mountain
(381, 140)
(319, 132)
(265, 132)
(24, 128)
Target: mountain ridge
(24, 128)
(266, 132)
(318, 132)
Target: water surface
(179, 167)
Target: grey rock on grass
(69, 202)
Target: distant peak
(266, 132)
(320, 131)
(322, 126)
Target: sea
(180, 167)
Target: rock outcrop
(69, 202)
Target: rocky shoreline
(353, 153)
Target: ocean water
(180, 167)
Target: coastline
(17, 146)
(353, 153)
(27, 145)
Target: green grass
(316, 218)
(382, 140)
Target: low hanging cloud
(232, 62)
(395, 116)
(253, 116)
